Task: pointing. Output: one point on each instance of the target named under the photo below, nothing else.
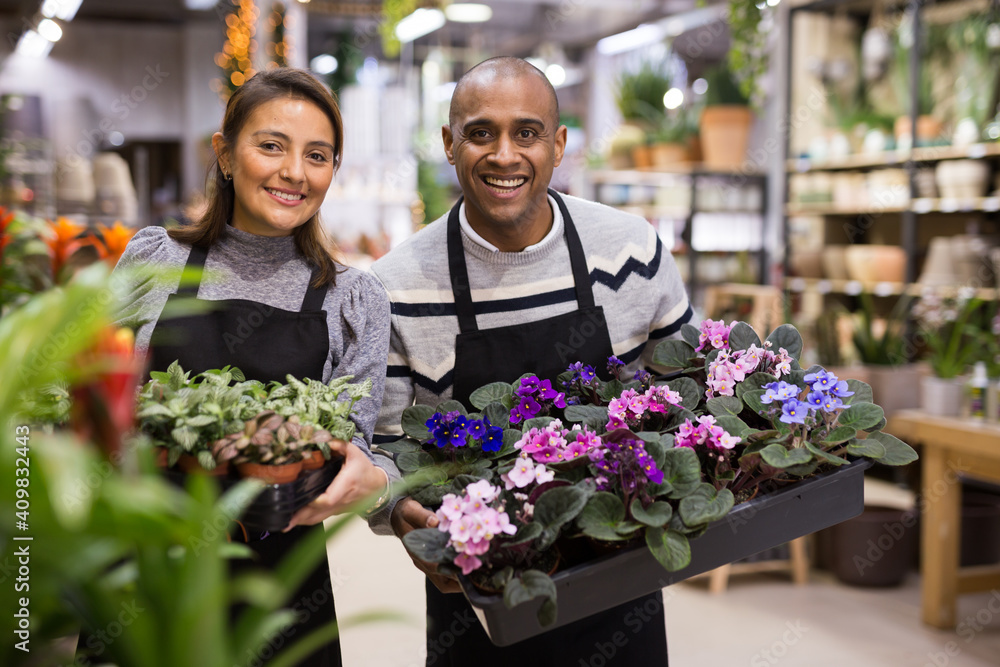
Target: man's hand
(409, 515)
(358, 479)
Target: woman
(280, 303)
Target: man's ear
(447, 139)
(560, 144)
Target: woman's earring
(226, 175)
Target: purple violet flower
(794, 412)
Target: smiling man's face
(504, 142)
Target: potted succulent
(577, 464)
(640, 101)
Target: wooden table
(951, 448)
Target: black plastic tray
(274, 507)
(583, 590)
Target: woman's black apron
(630, 634)
(266, 343)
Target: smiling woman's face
(281, 164)
(504, 144)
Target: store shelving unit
(699, 199)
(910, 208)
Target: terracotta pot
(835, 262)
(642, 157)
(725, 132)
(271, 474)
(667, 155)
(189, 463)
(161, 455)
(807, 263)
(928, 129)
(895, 387)
(942, 397)
(313, 460)
(876, 263)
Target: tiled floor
(760, 621)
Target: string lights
(235, 60)
(279, 48)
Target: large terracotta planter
(667, 155)
(725, 133)
(928, 129)
(876, 548)
(642, 157)
(895, 387)
(876, 263)
(941, 397)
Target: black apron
(266, 343)
(546, 347)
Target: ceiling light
(33, 45)
(419, 23)
(647, 33)
(673, 98)
(556, 74)
(468, 12)
(699, 86)
(64, 10)
(324, 64)
(50, 30)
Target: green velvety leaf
(657, 514)
(451, 406)
(498, 414)
(427, 544)
(705, 505)
(872, 448)
(530, 585)
(414, 422)
(557, 507)
(862, 393)
(673, 354)
(431, 495)
(185, 436)
(742, 336)
(691, 395)
(780, 456)
(803, 469)
(877, 427)
(786, 336)
(400, 446)
(734, 426)
(825, 455)
(611, 389)
(860, 416)
(681, 471)
(601, 515)
(412, 461)
(721, 406)
(199, 421)
(154, 410)
(752, 398)
(594, 416)
(527, 533)
(206, 460)
(670, 548)
(536, 422)
(493, 392)
(897, 452)
(691, 335)
(840, 434)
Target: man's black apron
(267, 344)
(546, 347)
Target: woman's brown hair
(267, 85)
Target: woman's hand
(409, 515)
(358, 479)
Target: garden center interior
(771, 145)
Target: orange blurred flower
(5, 219)
(64, 242)
(114, 240)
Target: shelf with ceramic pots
(805, 164)
(885, 289)
(696, 210)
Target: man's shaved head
(499, 69)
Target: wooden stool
(797, 562)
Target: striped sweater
(633, 274)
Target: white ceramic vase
(941, 397)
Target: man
(520, 279)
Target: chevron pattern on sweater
(632, 265)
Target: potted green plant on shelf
(955, 338)
(725, 122)
(646, 464)
(672, 140)
(933, 55)
(882, 347)
(975, 45)
(639, 96)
